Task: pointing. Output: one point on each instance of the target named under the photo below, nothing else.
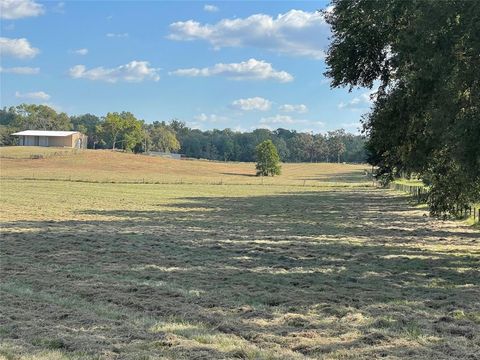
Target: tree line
(123, 131)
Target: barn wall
(29, 140)
(75, 140)
(63, 141)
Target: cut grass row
(107, 271)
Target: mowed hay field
(110, 166)
(200, 269)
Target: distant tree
(123, 129)
(282, 147)
(39, 117)
(5, 138)
(88, 125)
(163, 138)
(320, 146)
(112, 127)
(267, 159)
(336, 145)
(7, 116)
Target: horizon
(208, 64)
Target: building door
(36, 140)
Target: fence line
(421, 193)
(180, 181)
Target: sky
(239, 65)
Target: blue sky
(239, 65)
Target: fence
(421, 192)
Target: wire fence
(420, 193)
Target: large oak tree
(424, 56)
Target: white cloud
(246, 70)
(210, 8)
(295, 32)
(285, 120)
(255, 103)
(17, 9)
(37, 95)
(19, 48)
(281, 119)
(21, 70)
(82, 52)
(300, 108)
(358, 103)
(117, 35)
(134, 71)
(210, 118)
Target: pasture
(108, 166)
(314, 264)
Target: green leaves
(425, 55)
(123, 130)
(267, 159)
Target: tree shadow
(238, 174)
(360, 269)
(347, 177)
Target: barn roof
(45, 133)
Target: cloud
(255, 103)
(37, 95)
(295, 32)
(285, 120)
(21, 70)
(358, 103)
(82, 52)
(17, 9)
(134, 71)
(210, 8)
(19, 48)
(246, 70)
(117, 35)
(210, 118)
(300, 108)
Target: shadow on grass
(347, 177)
(238, 174)
(316, 274)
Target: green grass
(412, 182)
(199, 271)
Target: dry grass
(199, 271)
(29, 152)
(108, 166)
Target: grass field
(207, 270)
(108, 166)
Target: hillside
(109, 166)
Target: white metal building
(73, 139)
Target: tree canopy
(424, 56)
(268, 161)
